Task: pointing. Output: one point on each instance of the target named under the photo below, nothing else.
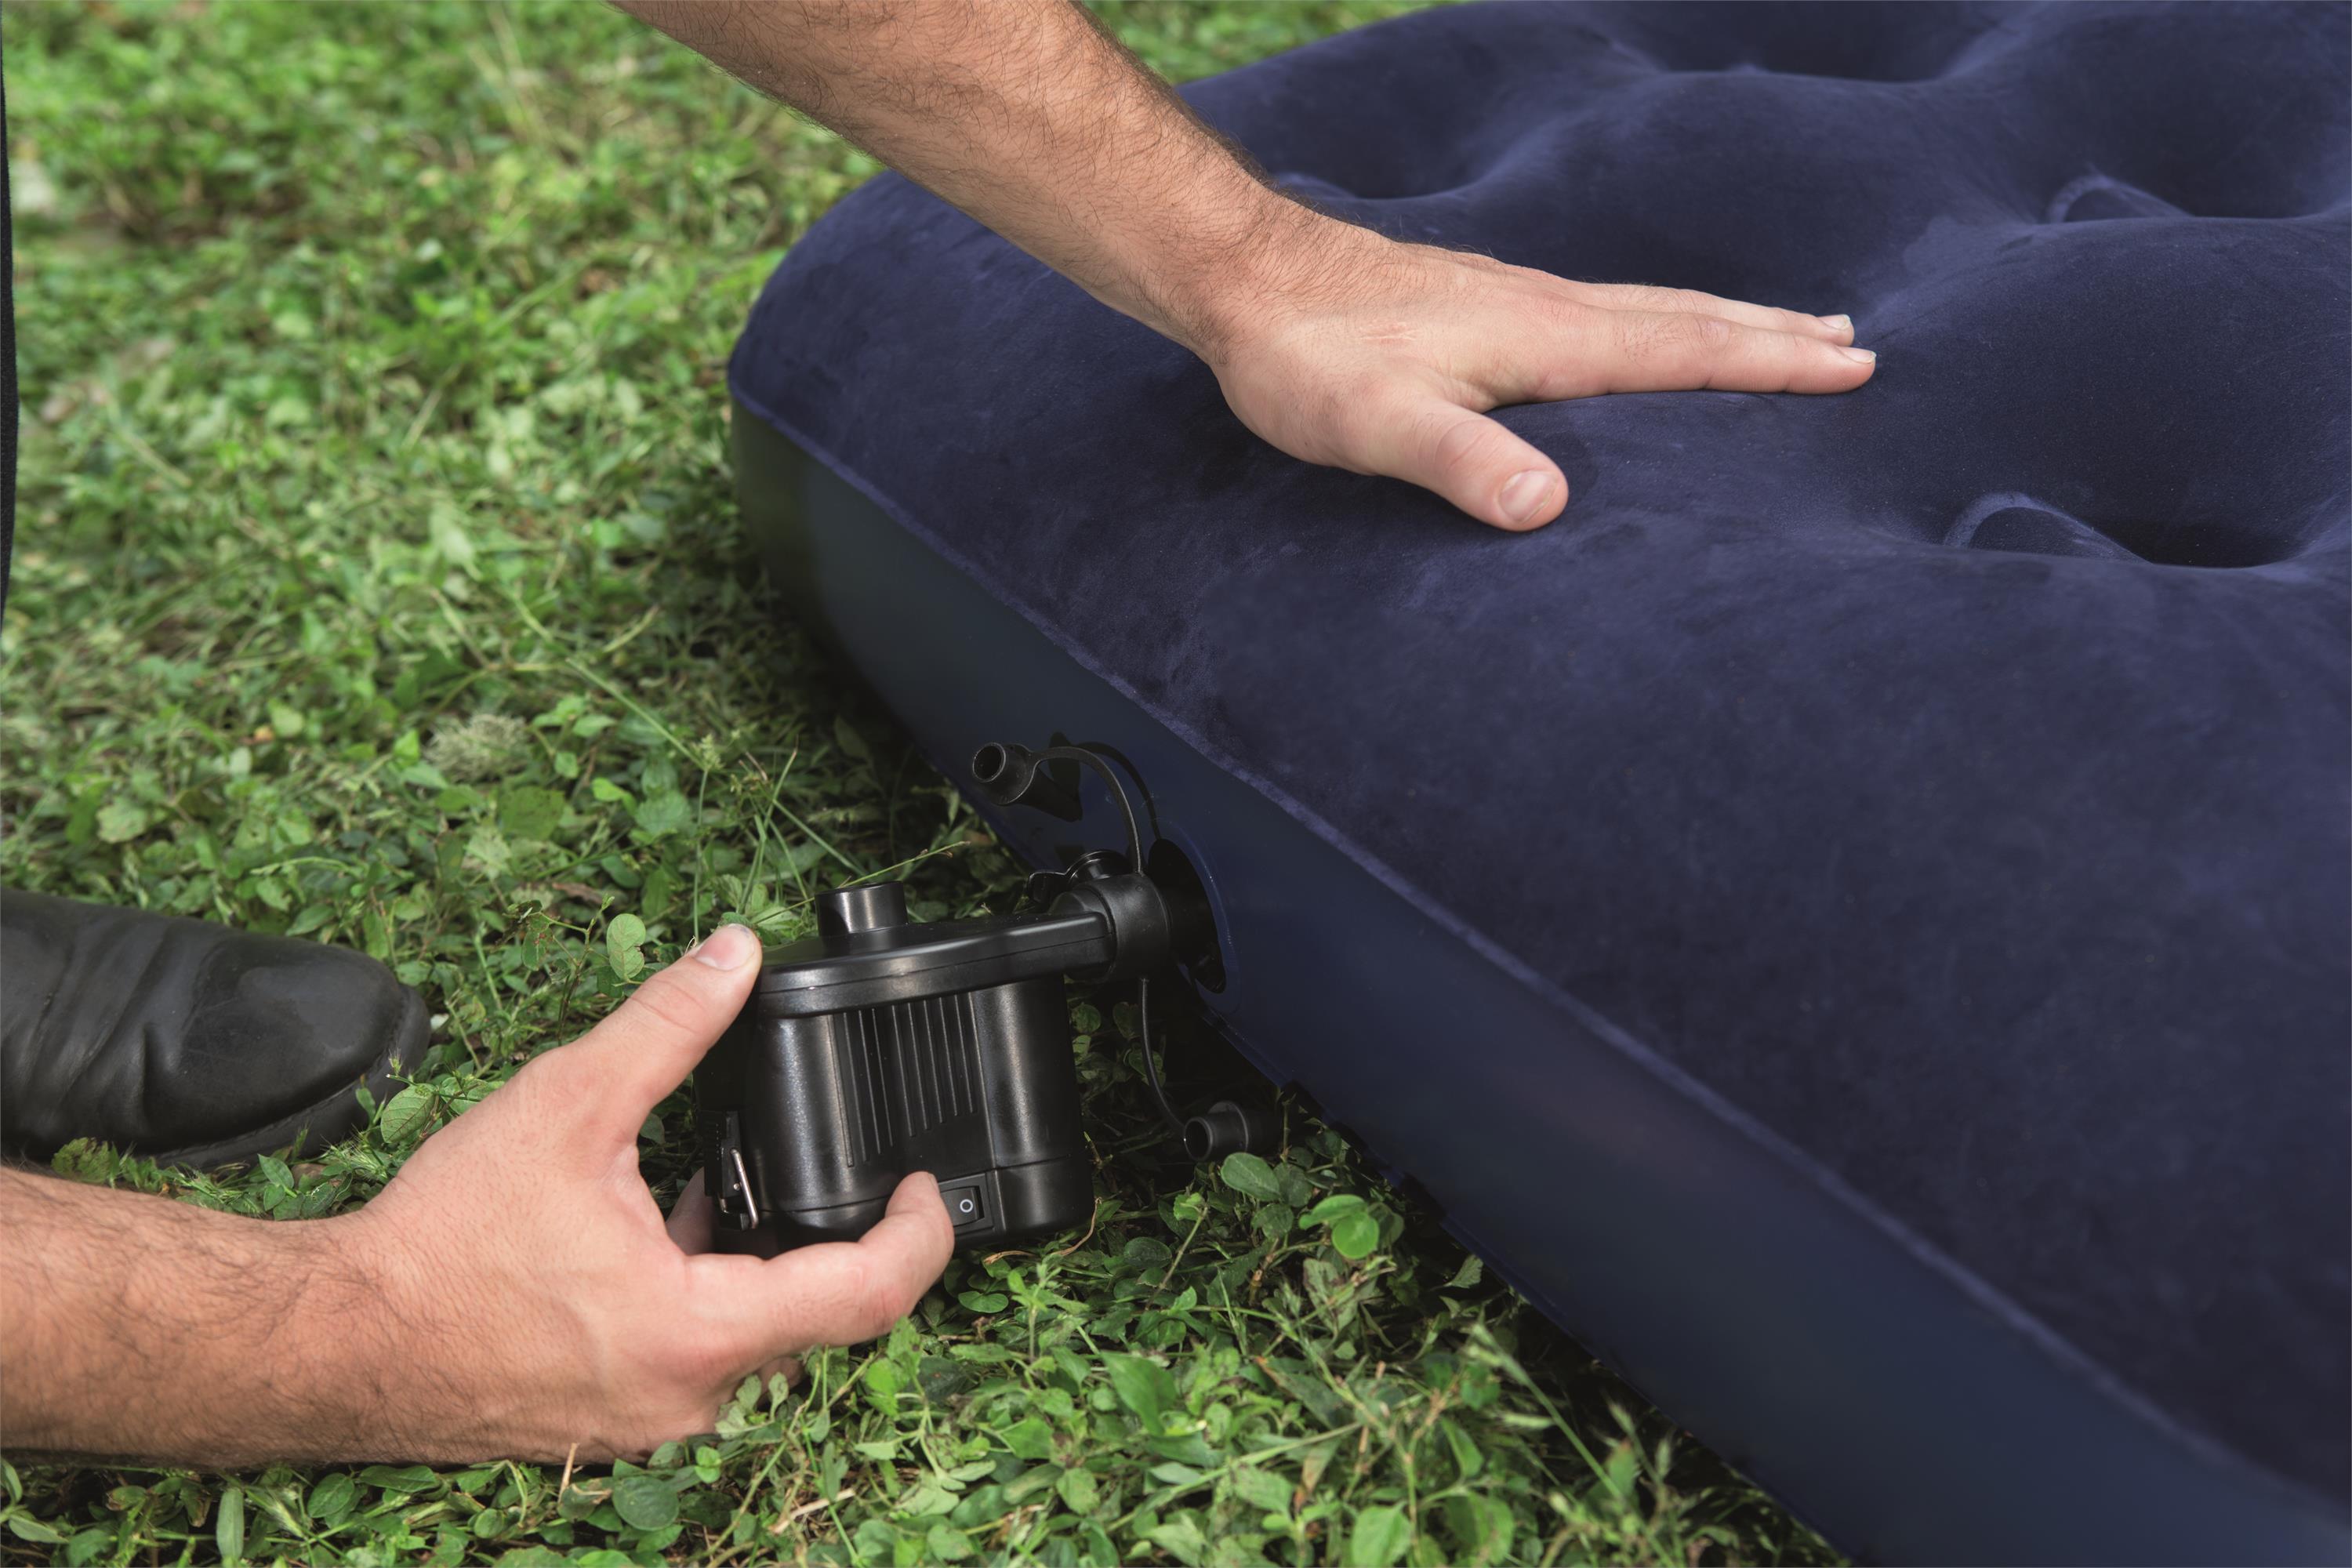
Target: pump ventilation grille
(905, 1068)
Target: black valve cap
(1098, 866)
(1230, 1127)
(873, 907)
(1010, 774)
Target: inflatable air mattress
(1879, 864)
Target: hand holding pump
(880, 1047)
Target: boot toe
(186, 1041)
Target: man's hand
(1344, 348)
(539, 1285)
(513, 1292)
(1335, 344)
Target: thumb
(1469, 459)
(646, 1046)
(838, 1293)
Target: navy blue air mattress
(1879, 863)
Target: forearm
(1335, 344)
(513, 1291)
(133, 1326)
(1027, 116)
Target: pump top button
(877, 906)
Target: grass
(378, 581)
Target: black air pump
(877, 1046)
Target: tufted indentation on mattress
(1872, 47)
(2016, 521)
(2094, 197)
(2009, 520)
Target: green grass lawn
(378, 581)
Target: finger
(643, 1050)
(1662, 351)
(693, 1221)
(1466, 458)
(1690, 301)
(840, 1292)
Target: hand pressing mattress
(1878, 863)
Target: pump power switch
(964, 1205)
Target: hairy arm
(1027, 116)
(1335, 344)
(513, 1292)
(138, 1326)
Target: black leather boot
(183, 1041)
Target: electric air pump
(880, 1047)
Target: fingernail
(1844, 324)
(1524, 494)
(1859, 356)
(729, 947)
